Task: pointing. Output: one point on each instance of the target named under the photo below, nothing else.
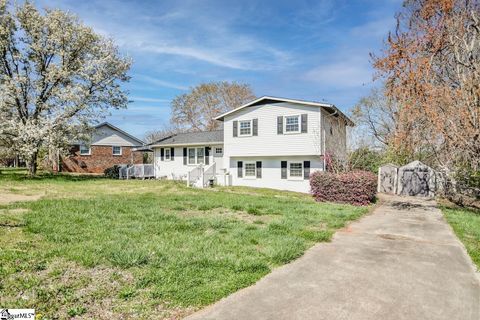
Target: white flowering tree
(57, 78)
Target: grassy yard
(90, 247)
(466, 224)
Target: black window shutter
(240, 169)
(306, 170)
(172, 153)
(255, 127)
(284, 169)
(280, 125)
(162, 153)
(259, 169)
(185, 156)
(207, 155)
(304, 123)
(235, 128)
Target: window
(296, 170)
(84, 150)
(250, 170)
(245, 128)
(218, 150)
(196, 155)
(191, 156)
(117, 151)
(167, 154)
(200, 155)
(292, 124)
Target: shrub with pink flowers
(353, 187)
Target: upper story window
(117, 150)
(85, 150)
(167, 154)
(292, 124)
(245, 128)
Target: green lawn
(98, 248)
(466, 224)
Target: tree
(377, 115)
(196, 110)
(431, 65)
(164, 132)
(57, 77)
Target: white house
(269, 142)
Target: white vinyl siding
(271, 172)
(175, 168)
(85, 150)
(268, 142)
(292, 124)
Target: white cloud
(160, 83)
(349, 72)
(147, 99)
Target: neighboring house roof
(191, 138)
(268, 99)
(141, 143)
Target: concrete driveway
(401, 262)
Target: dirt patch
(7, 198)
(78, 292)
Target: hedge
(355, 187)
(112, 172)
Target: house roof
(191, 138)
(108, 124)
(269, 99)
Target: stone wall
(101, 158)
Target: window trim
(245, 163)
(240, 128)
(168, 156)
(289, 176)
(84, 154)
(299, 121)
(117, 154)
(196, 156)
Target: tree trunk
(32, 164)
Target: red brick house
(109, 146)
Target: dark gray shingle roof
(191, 138)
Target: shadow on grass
(19, 174)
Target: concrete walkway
(401, 262)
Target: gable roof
(191, 138)
(269, 99)
(119, 130)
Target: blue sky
(313, 50)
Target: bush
(354, 187)
(112, 172)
